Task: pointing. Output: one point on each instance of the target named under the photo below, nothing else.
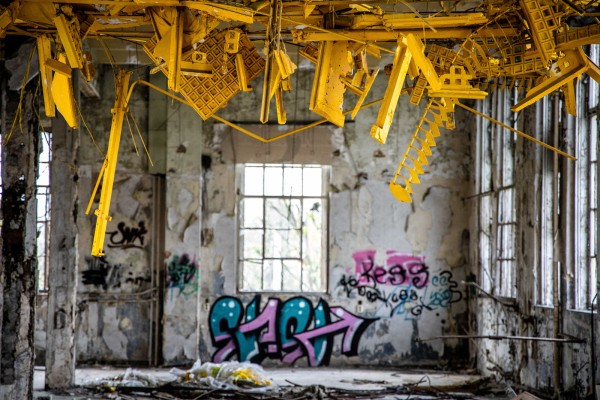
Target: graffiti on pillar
(285, 331)
(182, 275)
(126, 237)
(101, 273)
(106, 276)
(401, 286)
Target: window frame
(584, 128)
(495, 179)
(325, 201)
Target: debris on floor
(247, 381)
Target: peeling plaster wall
(363, 216)
(114, 299)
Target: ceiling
(437, 52)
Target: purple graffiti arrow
(349, 323)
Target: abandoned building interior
(390, 184)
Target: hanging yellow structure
(210, 51)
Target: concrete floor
(349, 380)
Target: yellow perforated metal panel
(209, 94)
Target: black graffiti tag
(126, 237)
(102, 274)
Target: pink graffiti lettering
(399, 269)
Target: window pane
(283, 213)
(312, 184)
(272, 275)
(292, 275)
(273, 181)
(43, 178)
(41, 204)
(253, 181)
(292, 181)
(252, 213)
(251, 243)
(282, 243)
(251, 275)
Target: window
(43, 211)
(548, 211)
(585, 130)
(497, 216)
(282, 244)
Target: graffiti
(399, 269)
(101, 273)
(402, 287)
(286, 330)
(127, 237)
(182, 274)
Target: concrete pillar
(62, 274)
(182, 236)
(18, 260)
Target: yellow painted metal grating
(570, 38)
(543, 22)
(209, 94)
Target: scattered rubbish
(131, 378)
(226, 375)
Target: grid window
(497, 213)
(282, 227)
(585, 130)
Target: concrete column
(182, 236)
(18, 260)
(62, 274)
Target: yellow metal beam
(571, 66)
(410, 21)
(518, 132)
(402, 59)
(223, 12)
(366, 36)
(8, 16)
(112, 154)
(422, 62)
(68, 32)
(62, 94)
(570, 102)
(327, 95)
(44, 54)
